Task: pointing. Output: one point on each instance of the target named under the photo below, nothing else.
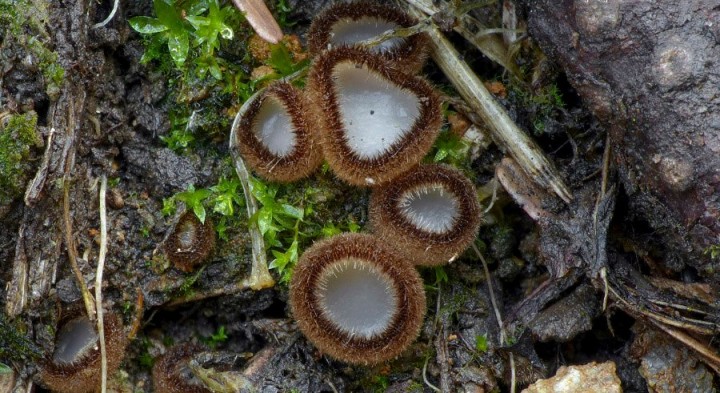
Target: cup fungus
(430, 214)
(171, 373)
(190, 242)
(351, 23)
(275, 134)
(75, 365)
(356, 299)
(377, 122)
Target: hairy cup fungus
(377, 121)
(275, 135)
(190, 242)
(171, 373)
(347, 24)
(430, 214)
(75, 365)
(356, 299)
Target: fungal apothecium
(276, 135)
(74, 366)
(171, 373)
(357, 299)
(190, 243)
(346, 24)
(377, 122)
(431, 214)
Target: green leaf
(197, 7)
(197, 21)
(265, 220)
(192, 196)
(280, 59)
(224, 204)
(168, 208)
(147, 25)
(292, 211)
(179, 45)
(199, 211)
(440, 275)
(168, 15)
(5, 369)
(442, 153)
(481, 344)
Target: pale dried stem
(398, 32)
(98, 284)
(261, 20)
(484, 39)
(107, 20)
(424, 375)
(260, 274)
(505, 132)
(711, 358)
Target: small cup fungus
(190, 242)
(275, 134)
(356, 299)
(430, 214)
(346, 24)
(75, 365)
(171, 373)
(377, 122)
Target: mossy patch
(17, 136)
(22, 24)
(14, 345)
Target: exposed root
(498, 316)
(107, 20)
(98, 284)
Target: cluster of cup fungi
(365, 111)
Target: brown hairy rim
(168, 375)
(421, 246)
(401, 156)
(402, 329)
(409, 55)
(305, 157)
(83, 375)
(190, 243)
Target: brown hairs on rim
(304, 158)
(83, 374)
(167, 375)
(410, 54)
(190, 243)
(400, 156)
(321, 260)
(426, 247)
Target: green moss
(23, 24)
(14, 346)
(17, 135)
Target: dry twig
(98, 285)
(259, 275)
(525, 151)
(261, 20)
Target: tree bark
(649, 72)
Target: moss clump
(14, 346)
(17, 134)
(22, 25)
